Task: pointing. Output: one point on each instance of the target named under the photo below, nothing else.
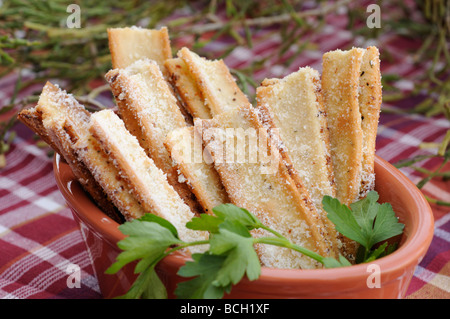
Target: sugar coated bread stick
(148, 182)
(293, 107)
(70, 123)
(340, 85)
(32, 118)
(150, 111)
(54, 113)
(183, 144)
(128, 45)
(217, 85)
(270, 194)
(370, 94)
(186, 86)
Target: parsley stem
(184, 245)
(270, 230)
(283, 242)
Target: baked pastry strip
(33, 119)
(71, 122)
(148, 183)
(215, 82)
(292, 111)
(128, 45)
(186, 149)
(264, 187)
(150, 111)
(54, 109)
(186, 87)
(340, 86)
(370, 97)
(106, 174)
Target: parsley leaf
(204, 269)
(343, 219)
(232, 213)
(231, 243)
(367, 222)
(330, 262)
(149, 250)
(147, 286)
(241, 257)
(224, 213)
(138, 245)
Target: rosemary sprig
(442, 153)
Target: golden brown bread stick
(370, 96)
(186, 86)
(201, 177)
(215, 82)
(69, 121)
(294, 107)
(264, 188)
(148, 182)
(340, 85)
(128, 45)
(32, 118)
(55, 109)
(150, 111)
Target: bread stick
(128, 45)
(71, 125)
(184, 144)
(186, 86)
(293, 106)
(32, 118)
(70, 122)
(369, 106)
(340, 85)
(150, 112)
(147, 181)
(55, 107)
(270, 194)
(105, 173)
(141, 91)
(215, 82)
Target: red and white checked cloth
(39, 238)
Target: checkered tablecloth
(39, 238)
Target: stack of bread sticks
(184, 138)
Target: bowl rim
(410, 251)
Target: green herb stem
(283, 242)
(437, 201)
(185, 245)
(272, 231)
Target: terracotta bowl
(394, 271)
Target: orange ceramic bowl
(387, 277)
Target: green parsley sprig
(366, 222)
(231, 255)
